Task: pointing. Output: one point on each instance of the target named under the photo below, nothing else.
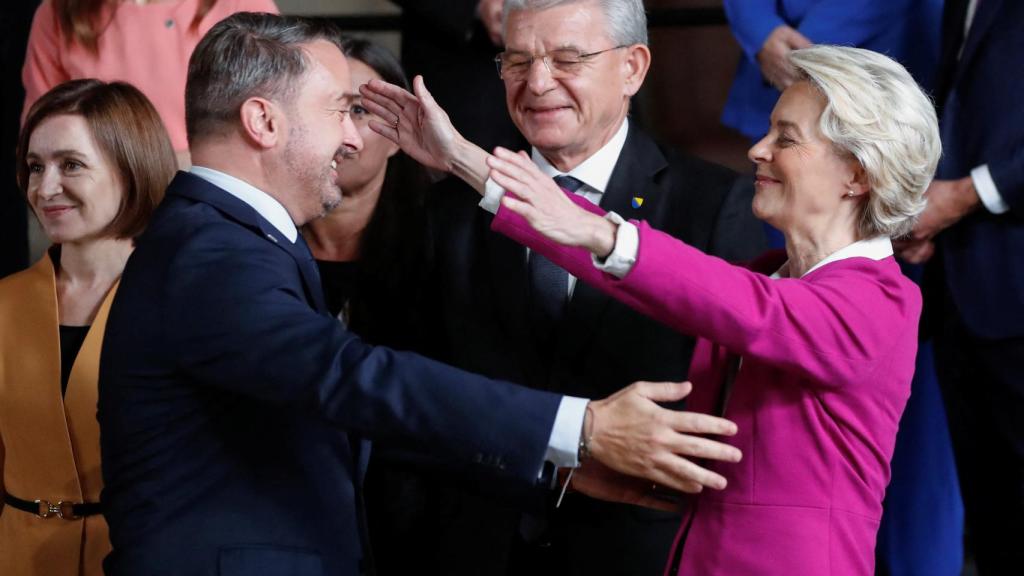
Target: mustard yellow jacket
(49, 445)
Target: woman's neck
(338, 235)
(805, 250)
(94, 263)
(85, 274)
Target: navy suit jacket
(983, 123)
(231, 405)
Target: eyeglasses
(560, 63)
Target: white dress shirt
(563, 444)
(984, 185)
(595, 172)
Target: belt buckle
(63, 510)
(46, 509)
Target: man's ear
(635, 66)
(262, 122)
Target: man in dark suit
(233, 406)
(975, 216)
(569, 71)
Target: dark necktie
(549, 284)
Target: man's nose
(539, 78)
(351, 140)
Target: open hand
(630, 433)
(546, 207)
(415, 122)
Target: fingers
(419, 87)
(796, 40)
(705, 448)
(681, 474)
(697, 423)
(383, 108)
(386, 130)
(518, 169)
(517, 206)
(918, 252)
(388, 101)
(509, 177)
(663, 391)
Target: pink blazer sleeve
(832, 325)
(42, 69)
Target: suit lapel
(80, 403)
(34, 388)
(633, 177)
(195, 188)
(983, 20)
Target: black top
(71, 339)
(340, 280)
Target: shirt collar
(264, 204)
(877, 248)
(596, 171)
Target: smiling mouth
(546, 110)
(53, 211)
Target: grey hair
(625, 19)
(877, 114)
(247, 54)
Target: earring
(849, 193)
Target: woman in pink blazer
(811, 351)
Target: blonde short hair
(876, 113)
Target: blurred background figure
(147, 44)
(374, 256)
(768, 30)
(93, 160)
(974, 226)
(453, 47)
(922, 526)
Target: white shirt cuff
(627, 246)
(987, 191)
(564, 444)
(492, 196)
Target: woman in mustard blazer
(93, 160)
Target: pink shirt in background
(146, 45)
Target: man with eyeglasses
(569, 70)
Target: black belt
(46, 509)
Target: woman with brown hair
(93, 160)
(145, 42)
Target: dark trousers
(983, 384)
